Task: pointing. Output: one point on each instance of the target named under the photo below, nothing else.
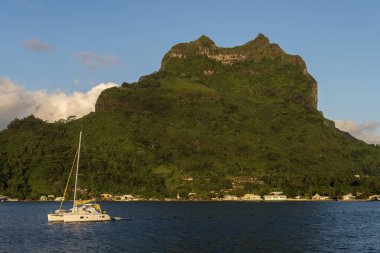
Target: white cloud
(37, 45)
(93, 60)
(16, 101)
(367, 131)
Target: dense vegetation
(202, 118)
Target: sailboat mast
(76, 174)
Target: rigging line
(68, 180)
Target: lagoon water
(197, 227)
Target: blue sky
(67, 46)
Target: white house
(125, 197)
(3, 198)
(192, 195)
(43, 198)
(275, 196)
(106, 196)
(374, 197)
(249, 196)
(348, 197)
(59, 199)
(230, 197)
(319, 197)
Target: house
(106, 196)
(348, 197)
(3, 198)
(128, 197)
(230, 197)
(125, 197)
(12, 199)
(249, 196)
(50, 197)
(319, 197)
(192, 195)
(58, 199)
(275, 196)
(187, 178)
(43, 198)
(374, 197)
(118, 198)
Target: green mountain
(211, 119)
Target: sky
(57, 56)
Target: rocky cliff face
(255, 50)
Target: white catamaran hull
(52, 217)
(73, 217)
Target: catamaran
(83, 210)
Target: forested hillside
(215, 115)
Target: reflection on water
(197, 227)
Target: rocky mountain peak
(204, 42)
(261, 39)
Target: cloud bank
(367, 131)
(35, 45)
(16, 101)
(94, 60)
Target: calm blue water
(198, 227)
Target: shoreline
(205, 200)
